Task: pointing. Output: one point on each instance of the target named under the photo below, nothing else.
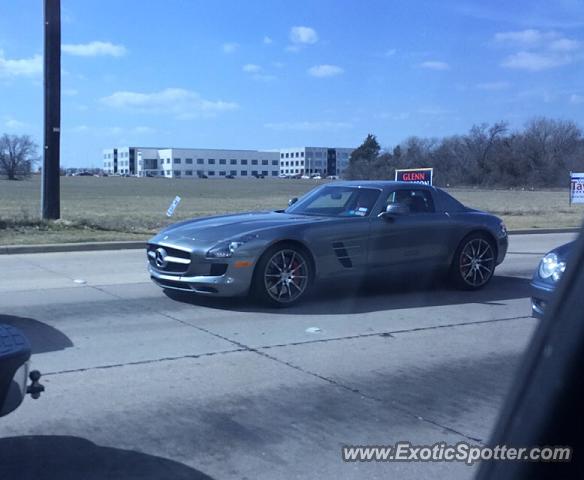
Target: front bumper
(502, 246)
(541, 294)
(234, 282)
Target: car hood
(212, 230)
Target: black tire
(474, 262)
(283, 275)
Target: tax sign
(576, 187)
(415, 175)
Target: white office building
(190, 162)
(323, 161)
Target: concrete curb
(71, 247)
(544, 231)
(134, 245)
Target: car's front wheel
(474, 262)
(283, 275)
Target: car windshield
(332, 201)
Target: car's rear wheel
(283, 275)
(474, 262)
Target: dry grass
(115, 208)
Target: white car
(304, 177)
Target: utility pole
(50, 187)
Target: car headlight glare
(551, 267)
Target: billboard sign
(415, 175)
(576, 188)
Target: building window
(189, 173)
(297, 154)
(244, 173)
(287, 155)
(274, 173)
(168, 173)
(244, 162)
(265, 173)
(211, 173)
(254, 162)
(233, 161)
(222, 173)
(302, 154)
(161, 172)
(274, 162)
(222, 161)
(281, 155)
(189, 161)
(200, 161)
(211, 161)
(233, 172)
(265, 162)
(177, 173)
(254, 172)
(177, 161)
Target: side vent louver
(342, 255)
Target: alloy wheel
(477, 262)
(286, 276)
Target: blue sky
(270, 74)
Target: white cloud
(70, 92)
(94, 49)
(13, 124)
(435, 65)
(257, 72)
(177, 101)
(22, 67)
(493, 86)
(392, 116)
(523, 38)
(79, 129)
(230, 47)
(267, 40)
(534, 61)
(565, 45)
(576, 99)
(538, 50)
(142, 130)
(322, 71)
(303, 36)
(308, 126)
(251, 68)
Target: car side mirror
(15, 354)
(292, 201)
(395, 210)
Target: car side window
(418, 201)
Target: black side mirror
(292, 201)
(15, 354)
(395, 210)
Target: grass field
(115, 208)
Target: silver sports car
(335, 231)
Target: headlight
(551, 267)
(227, 249)
(503, 229)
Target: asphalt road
(140, 385)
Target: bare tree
(18, 154)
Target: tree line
(540, 155)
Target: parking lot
(139, 384)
